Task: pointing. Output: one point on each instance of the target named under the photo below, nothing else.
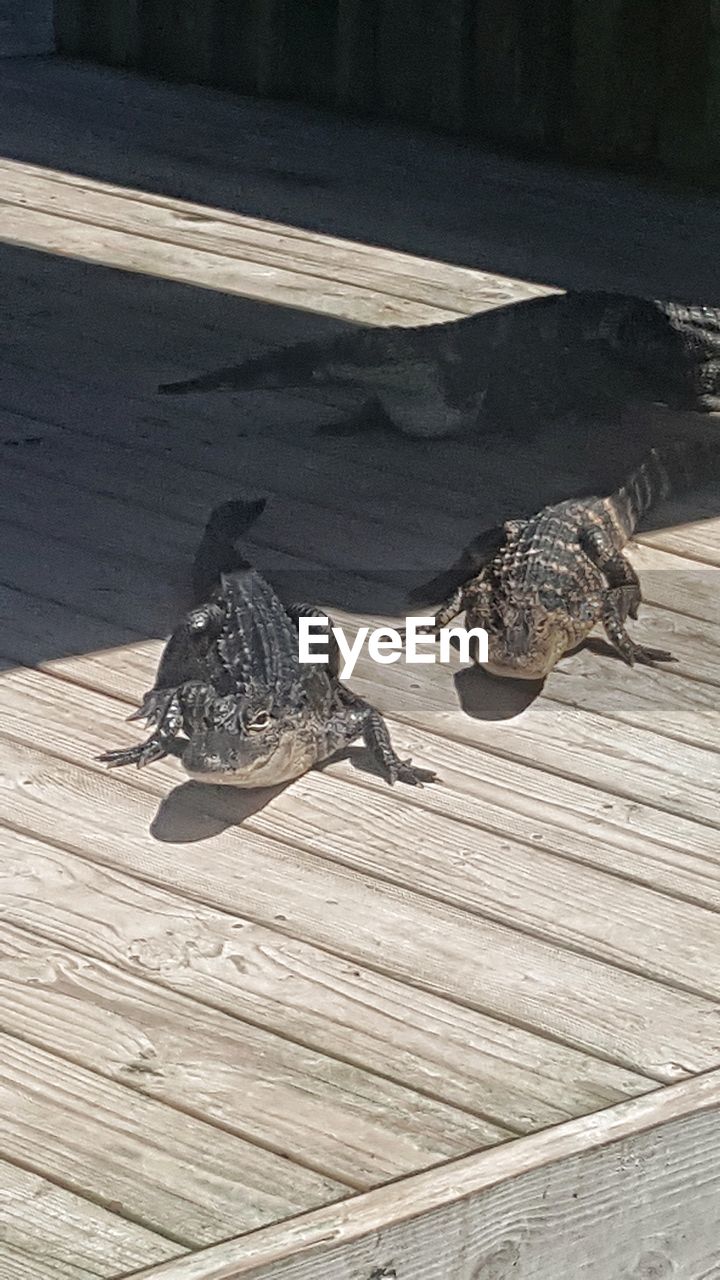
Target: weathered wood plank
(634, 1190)
(587, 679)
(443, 287)
(480, 962)
(361, 1016)
(305, 467)
(188, 1181)
(411, 693)
(499, 796)
(47, 1233)
(661, 701)
(66, 457)
(515, 884)
(48, 233)
(356, 1013)
(198, 1059)
(363, 181)
(592, 824)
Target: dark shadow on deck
(374, 183)
(106, 486)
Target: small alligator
(554, 353)
(539, 586)
(231, 681)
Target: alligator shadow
(485, 697)
(197, 811)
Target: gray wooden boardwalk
(220, 1012)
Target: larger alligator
(231, 690)
(556, 353)
(539, 586)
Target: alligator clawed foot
(648, 657)
(405, 771)
(140, 756)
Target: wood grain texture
(356, 1013)
(501, 797)
(652, 698)
(482, 963)
(206, 987)
(632, 1190)
(259, 242)
(188, 1181)
(488, 870)
(356, 1127)
(363, 181)
(406, 693)
(46, 232)
(47, 1233)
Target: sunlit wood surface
(217, 1011)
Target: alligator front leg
(157, 746)
(613, 619)
(376, 737)
(355, 718)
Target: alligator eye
(258, 722)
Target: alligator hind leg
(613, 618)
(615, 568)
(157, 746)
(154, 706)
(622, 597)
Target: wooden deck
(217, 1013)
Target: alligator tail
(218, 552)
(664, 472)
(294, 366)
